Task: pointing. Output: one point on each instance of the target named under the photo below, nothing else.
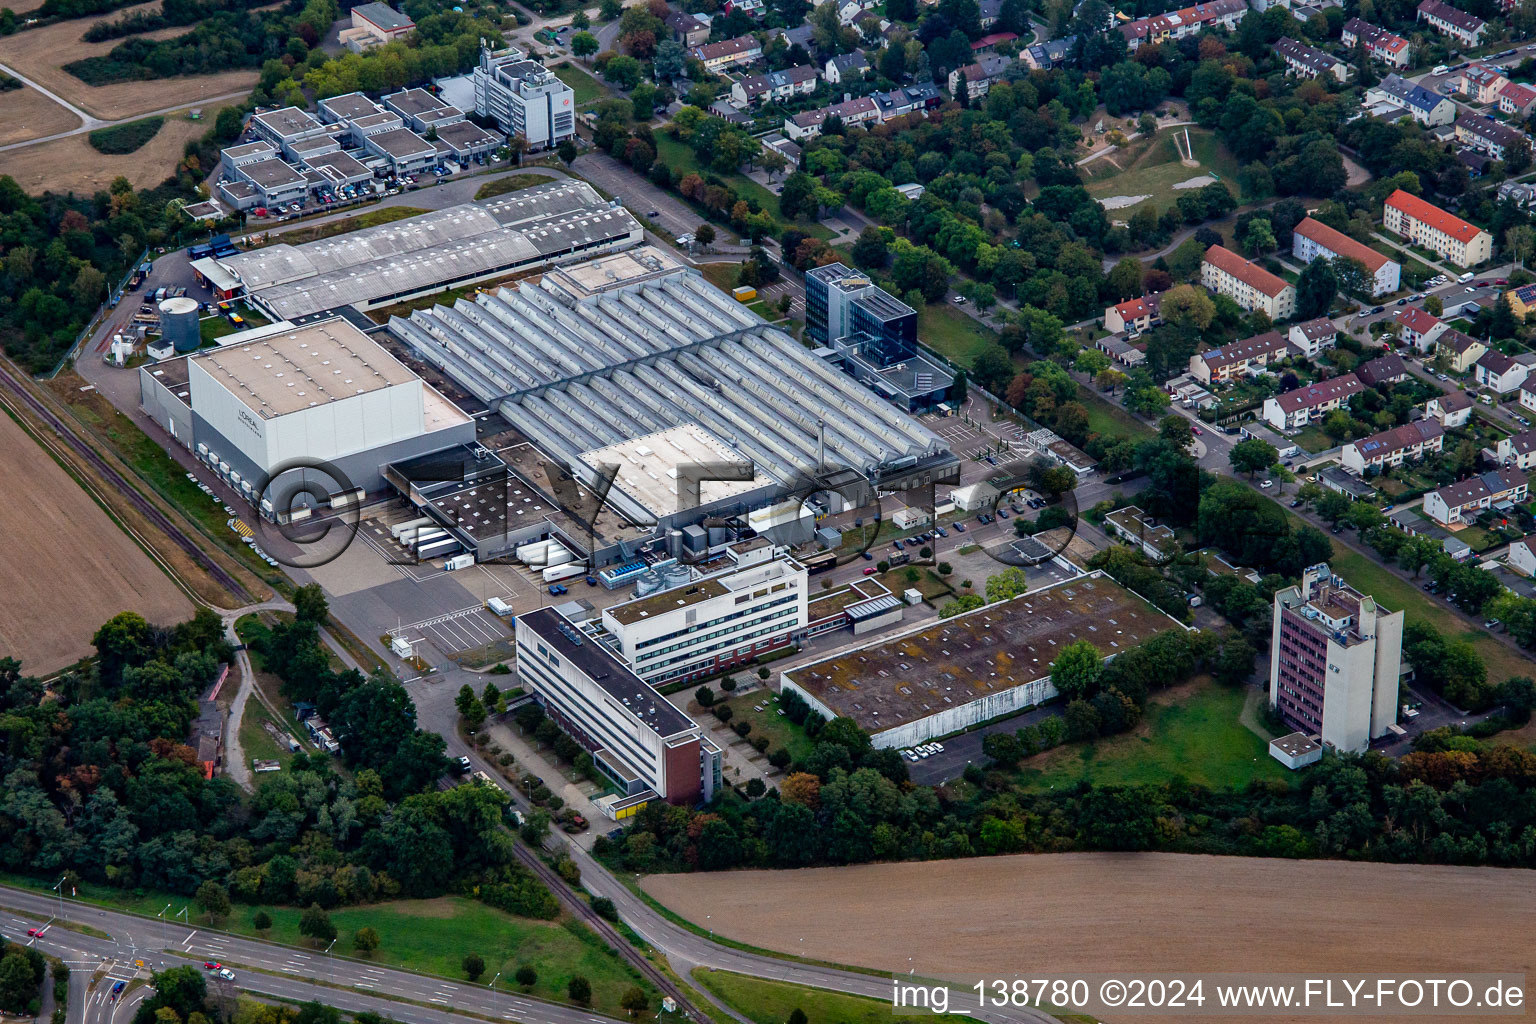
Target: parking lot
(462, 630)
(672, 215)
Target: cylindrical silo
(178, 323)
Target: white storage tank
(179, 324)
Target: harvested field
(1033, 916)
(68, 567)
(72, 164)
(41, 54)
(27, 114)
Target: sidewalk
(534, 762)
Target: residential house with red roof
(1426, 224)
(1295, 409)
(1246, 283)
(1312, 239)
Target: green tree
(633, 1001)
(213, 898)
(1315, 289)
(262, 921)
(580, 989)
(527, 977)
(584, 44)
(567, 152)
(1075, 672)
(474, 966)
(1188, 306)
(1252, 456)
(316, 924)
(365, 940)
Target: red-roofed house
(1134, 315)
(1460, 503)
(1518, 451)
(990, 42)
(1379, 43)
(1295, 409)
(1246, 283)
(1238, 358)
(1419, 328)
(1464, 350)
(1312, 238)
(1518, 99)
(1449, 236)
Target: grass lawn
(1192, 731)
(771, 1002)
(509, 183)
(721, 275)
(257, 743)
(373, 218)
(214, 327)
(1397, 593)
(781, 732)
(1312, 439)
(1152, 168)
(587, 89)
(952, 334)
(1107, 418)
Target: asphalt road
(263, 968)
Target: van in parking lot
(1464, 278)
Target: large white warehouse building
(324, 393)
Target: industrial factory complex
(632, 368)
(461, 245)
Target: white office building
(524, 97)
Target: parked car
(870, 570)
(868, 557)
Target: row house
(1184, 22)
(1460, 503)
(1239, 358)
(774, 86)
(1246, 283)
(807, 125)
(1465, 28)
(1295, 409)
(729, 53)
(1378, 42)
(1517, 99)
(1487, 135)
(1308, 61)
(1407, 443)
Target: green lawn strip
(373, 218)
(721, 275)
(587, 89)
(122, 139)
(1396, 593)
(771, 1002)
(433, 936)
(256, 741)
(781, 732)
(952, 334)
(1195, 734)
(1107, 418)
(167, 478)
(510, 183)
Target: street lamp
(493, 980)
(331, 960)
(59, 888)
(165, 939)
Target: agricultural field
(1051, 914)
(1154, 169)
(27, 114)
(41, 53)
(68, 567)
(72, 164)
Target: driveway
(672, 215)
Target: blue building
(873, 335)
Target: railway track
(18, 390)
(606, 930)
